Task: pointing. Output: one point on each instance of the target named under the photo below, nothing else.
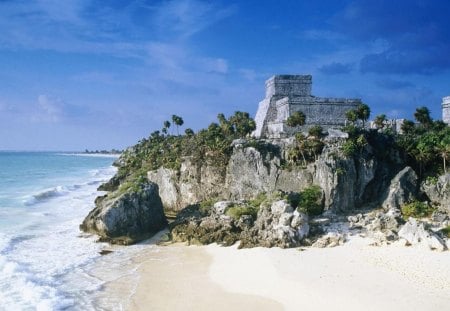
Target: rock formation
(128, 217)
(252, 170)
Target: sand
(355, 276)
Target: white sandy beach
(355, 276)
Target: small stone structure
(286, 94)
(446, 109)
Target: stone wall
(289, 85)
(286, 94)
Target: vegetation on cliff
(209, 146)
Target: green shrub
(256, 202)
(433, 180)
(311, 201)
(237, 211)
(349, 148)
(446, 231)
(416, 209)
(206, 205)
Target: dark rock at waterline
(128, 217)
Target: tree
(363, 113)
(242, 123)
(351, 116)
(178, 121)
(407, 127)
(422, 115)
(225, 125)
(166, 126)
(443, 149)
(298, 118)
(380, 121)
(189, 132)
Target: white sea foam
(42, 259)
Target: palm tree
(166, 126)
(443, 149)
(178, 121)
(363, 113)
(242, 123)
(380, 121)
(422, 115)
(352, 116)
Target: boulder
(414, 233)
(403, 189)
(438, 191)
(125, 218)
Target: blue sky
(78, 74)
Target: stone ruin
(286, 94)
(446, 109)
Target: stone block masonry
(286, 94)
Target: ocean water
(44, 258)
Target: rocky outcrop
(331, 239)
(438, 191)
(381, 226)
(128, 217)
(262, 169)
(415, 233)
(194, 182)
(403, 189)
(276, 225)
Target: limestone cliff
(263, 169)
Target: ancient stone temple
(286, 94)
(446, 109)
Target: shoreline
(352, 276)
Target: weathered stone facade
(286, 94)
(446, 109)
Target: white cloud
(187, 17)
(49, 110)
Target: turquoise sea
(43, 256)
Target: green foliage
(298, 118)
(237, 211)
(349, 147)
(416, 209)
(256, 202)
(305, 149)
(446, 231)
(380, 121)
(242, 124)
(315, 131)
(422, 115)
(209, 146)
(433, 180)
(426, 146)
(206, 205)
(310, 201)
(178, 121)
(351, 116)
(363, 112)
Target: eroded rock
(127, 218)
(415, 233)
